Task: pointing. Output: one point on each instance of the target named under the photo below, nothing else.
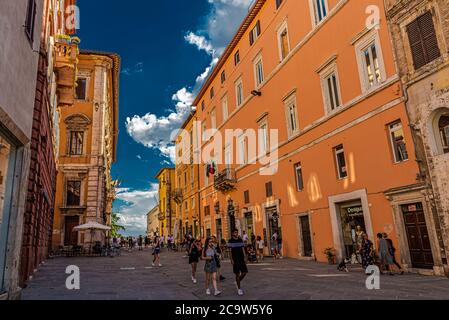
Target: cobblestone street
(131, 277)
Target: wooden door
(306, 236)
(418, 236)
(71, 237)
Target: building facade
(186, 193)
(168, 222)
(20, 25)
(321, 142)
(88, 143)
(153, 222)
(420, 34)
(38, 219)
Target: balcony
(177, 195)
(225, 180)
(66, 60)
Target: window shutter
(251, 38)
(423, 40)
(416, 44)
(429, 37)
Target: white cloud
(135, 204)
(137, 68)
(219, 26)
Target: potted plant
(330, 255)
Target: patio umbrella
(92, 226)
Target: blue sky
(167, 49)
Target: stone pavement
(131, 277)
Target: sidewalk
(131, 277)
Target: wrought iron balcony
(177, 195)
(225, 180)
(66, 60)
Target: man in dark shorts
(238, 259)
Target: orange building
(88, 142)
(345, 155)
(186, 193)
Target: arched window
(440, 130)
(443, 126)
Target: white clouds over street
(133, 207)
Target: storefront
(272, 227)
(350, 217)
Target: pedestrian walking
(210, 266)
(253, 241)
(218, 253)
(194, 256)
(157, 252)
(260, 246)
(392, 250)
(366, 251)
(140, 243)
(386, 260)
(238, 259)
(274, 245)
(130, 243)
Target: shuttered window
(255, 33)
(423, 40)
(269, 189)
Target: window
(212, 92)
(223, 77)
(213, 119)
(239, 92)
(228, 156)
(73, 193)
(269, 189)
(243, 157)
(370, 61)
(76, 143)
(254, 33)
(30, 19)
(186, 205)
(224, 107)
(292, 116)
(397, 140)
(207, 210)
(246, 196)
(423, 40)
(237, 58)
(258, 71)
(340, 159)
(319, 10)
(81, 84)
(278, 3)
(203, 105)
(283, 42)
(263, 137)
(192, 206)
(299, 177)
(443, 126)
(372, 65)
(331, 88)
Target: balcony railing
(66, 55)
(177, 195)
(225, 180)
